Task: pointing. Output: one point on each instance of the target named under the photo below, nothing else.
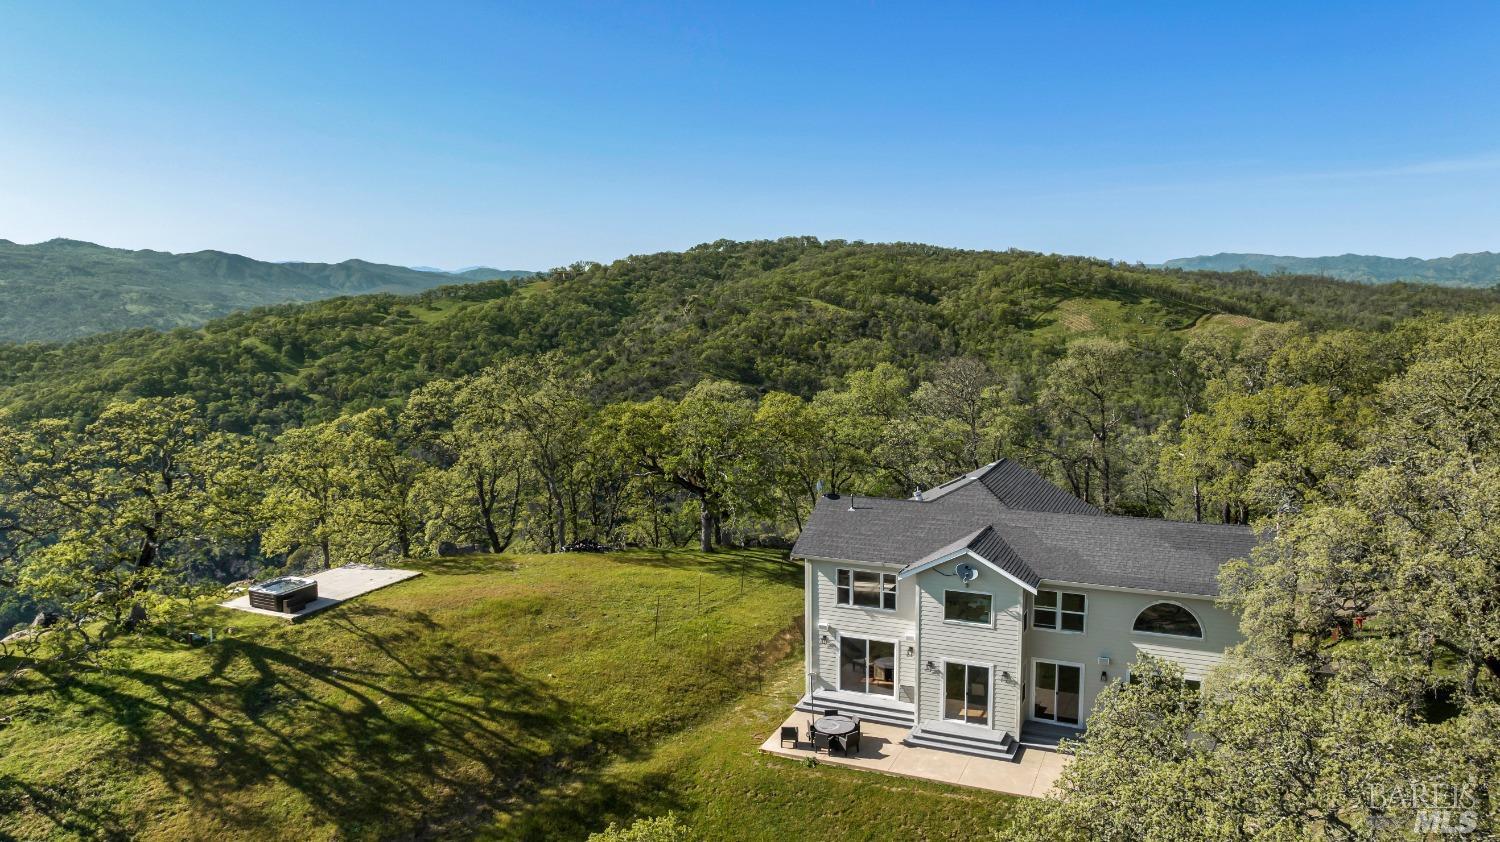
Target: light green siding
(997, 646)
(869, 623)
(1107, 633)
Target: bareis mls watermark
(1436, 807)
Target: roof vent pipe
(917, 496)
(851, 502)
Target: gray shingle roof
(988, 545)
(1125, 552)
(1064, 545)
(1019, 487)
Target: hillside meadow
(510, 696)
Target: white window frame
(988, 624)
(838, 665)
(989, 716)
(883, 578)
(1083, 683)
(1059, 611)
(1194, 614)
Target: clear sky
(532, 136)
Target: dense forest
(708, 397)
(794, 315)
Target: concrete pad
(1016, 777)
(881, 749)
(931, 764)
(340, 584)
(1051, 769)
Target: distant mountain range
(1481, 269)
(479, 273)
(64, 289)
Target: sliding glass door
(966, 693)
(867, 666)
(1056, 691)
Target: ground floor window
(867, 666)
(966, 693)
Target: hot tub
(286, 595)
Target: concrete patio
(1032, 773)
(334, 586)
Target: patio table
(834, 726)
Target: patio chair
(821, 741)
(830, 711)
(789, 732)
(841, 743)
(851, 743)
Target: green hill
(517, 697)
(62, 289)
(485, 273)
(1481, 269)
(794, 314)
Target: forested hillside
(63, 289)
(706, 398)
(794, 315)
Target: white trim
(895, 584)
(1058, 610)
(838, 683)
(990, 624)
(1199, 636)
(881, 565)
(989, 693)
(1082, 683)
(811, 650)
(1052, 584)
(908, 572)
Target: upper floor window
(966, 607)
(867, 589)
(1168, 618)
(1058, 611)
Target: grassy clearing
(714, 777)
(1119, 316)
(435, 311)
(1226, 323)
(429, 709)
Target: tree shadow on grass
(422, 744)
(462, 565)
(757, 566)
(64, 806)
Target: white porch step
(874, 709)
(966, 739)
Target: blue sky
(532, 136)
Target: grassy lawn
(508, 697)
(434, 708)
(716, 779)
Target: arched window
(1168, 618)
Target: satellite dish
(966, 573)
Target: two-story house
(992, 609)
